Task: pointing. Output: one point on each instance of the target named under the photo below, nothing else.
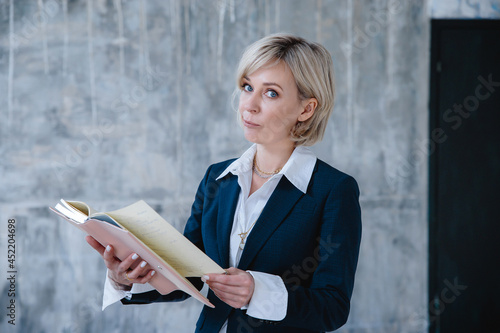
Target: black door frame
(437, 26)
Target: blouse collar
(298, 169)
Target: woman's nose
(249, 102)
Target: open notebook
(137, 228)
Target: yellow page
(159, 235)
(81, 206)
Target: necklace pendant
(242, 245)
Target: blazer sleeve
(193, 233)
(324, 304)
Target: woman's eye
(272, 94)
(247, 87)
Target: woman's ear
(309, 109)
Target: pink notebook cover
(124, 243)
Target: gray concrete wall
(470, 9)
(110, 102)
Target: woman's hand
(236, 288)
(121, 272)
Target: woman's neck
(270, 158)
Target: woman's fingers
(110, 260)
(139, 270)
(135, 270)
(146, 278)
(131, 270)
(129, 262)
(107, 253)
(95, 244)
(235, 288)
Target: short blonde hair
(312, 67)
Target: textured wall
(110, 102)
(472, 9)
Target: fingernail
(108, 248)
(204, 278)
(153, 273)
(135, 256)
(143, 264)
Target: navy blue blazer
(311, 240)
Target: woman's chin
(251, 136)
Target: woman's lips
(249, 123)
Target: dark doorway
(464, 219)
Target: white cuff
(138, 288)
(112, 295)
(270, 297)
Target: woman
(287, 225)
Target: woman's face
(270, 106)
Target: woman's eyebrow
(272, 84)
(265, 83)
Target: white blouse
(270, 297)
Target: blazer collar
(229, 192)
(285, 196)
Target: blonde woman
(286, 225)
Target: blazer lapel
(229, 192)
(281, 202)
